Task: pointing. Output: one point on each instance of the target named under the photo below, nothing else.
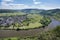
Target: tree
(16, 25)
(45, 21)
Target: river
(31, 32)
(53, 24)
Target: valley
(30, 24)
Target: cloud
(23, 6)
(14, 6)
(36, 2)
(8, 4)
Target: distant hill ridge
(42, 11)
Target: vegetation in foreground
(49, 35)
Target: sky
(27, 4)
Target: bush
(9, 39)
(17, 29)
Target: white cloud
(36, 2)
(37, 5)
(23, 6)
(14, 6)
(4, 2)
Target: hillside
(52, 12)
(41, 11)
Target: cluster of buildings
(9, 20)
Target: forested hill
(22, 10)
(8, 11)
(42, 11)
(52, 12)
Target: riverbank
(31, 32)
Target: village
(9, 20)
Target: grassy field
(11, 14)
(34, 21)
(32, 25)
(15, 38)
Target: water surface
(53, 24)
